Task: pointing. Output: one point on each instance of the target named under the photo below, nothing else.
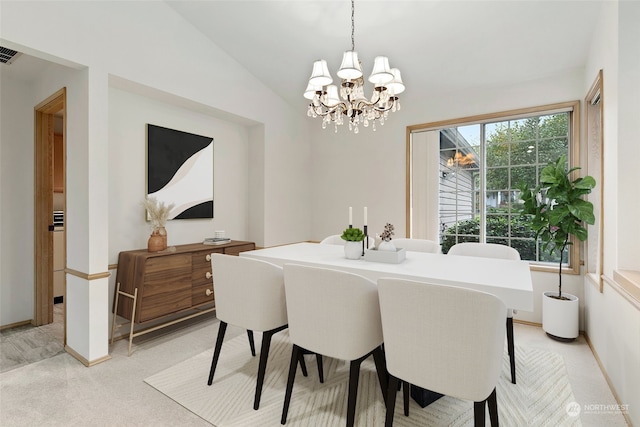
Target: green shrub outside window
(512, 152)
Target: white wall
(16, 200)
(128, 116)
(628, 113)
(612, 321)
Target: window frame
(572, 107)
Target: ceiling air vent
(7, 56)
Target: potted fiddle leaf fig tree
(557, 212)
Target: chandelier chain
(353, 43)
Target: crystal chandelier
(352, 105)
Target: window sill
(629, 281)
(552, 269)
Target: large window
(475, 166)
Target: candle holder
(365, 241)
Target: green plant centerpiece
(352, 235)
(353, 248)
(556, 209)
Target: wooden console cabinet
(153, 285)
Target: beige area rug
(540, 397)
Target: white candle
(365, 215)
(350, 215)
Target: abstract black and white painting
(180, 171)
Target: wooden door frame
(43, 203)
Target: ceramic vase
(163, 233)
(387, 246)
(157, 241)
(353, 250)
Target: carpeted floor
(539, 399)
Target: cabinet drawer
(201, 268)
(165, 303)
(166, 287)
(199, 278)
(166, 274)
(199, 294)
(202, 259)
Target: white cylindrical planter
(560, 318)
(353, 250)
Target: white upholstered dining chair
(445, 339)
(493, 250)
(417, 245)
(336, 314)
(249, 293)
(334, 239)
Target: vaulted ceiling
(439, 45)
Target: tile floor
(28, 344)
(60, 391)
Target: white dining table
(509, 280)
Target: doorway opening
(50, 206)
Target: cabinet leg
(115, 311)
(133, 316)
